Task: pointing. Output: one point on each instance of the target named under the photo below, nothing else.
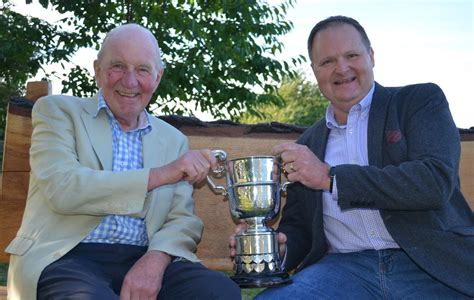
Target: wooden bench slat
(466, 170)
(12, 207)
(3, 293)
(17, 143)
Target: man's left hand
(143, 280)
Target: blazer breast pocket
(20, 245)
(395, 149)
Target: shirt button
(372, 233)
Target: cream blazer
(72, 188)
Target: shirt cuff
(334, 189)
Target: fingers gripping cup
(253, 189)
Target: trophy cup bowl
(253, 189)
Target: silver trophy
(253, 188)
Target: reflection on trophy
(253, 189)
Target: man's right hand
(193, 167)
(302, 165)
(281, 238)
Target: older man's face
(128, 75)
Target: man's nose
(129, 79)
(342, 65)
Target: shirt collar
(362, 106)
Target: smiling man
(376, 210)
(109, 212)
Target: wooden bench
(236, 140)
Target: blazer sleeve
(178, 230)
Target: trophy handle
(221, 156)
(285, 185)
(282, 168)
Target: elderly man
(109, 211)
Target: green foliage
(301, 103)
(26, 46)
(218, 53)
(79, 82)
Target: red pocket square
(393, 136)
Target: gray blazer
(414, 152)
(72, 188)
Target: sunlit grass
(247, 294)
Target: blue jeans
(383, 274)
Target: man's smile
(126, 94)
(346, 80)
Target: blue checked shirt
(127, 155)
(353, 229)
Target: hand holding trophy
(253, 189)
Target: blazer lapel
(318, 144)
(376, 126)
(321, 136)
(99, 132)
(154, 147)
(155, 150)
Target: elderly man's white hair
(127, 27)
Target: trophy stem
(257, 225)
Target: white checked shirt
(127, 155)
(355, 229)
